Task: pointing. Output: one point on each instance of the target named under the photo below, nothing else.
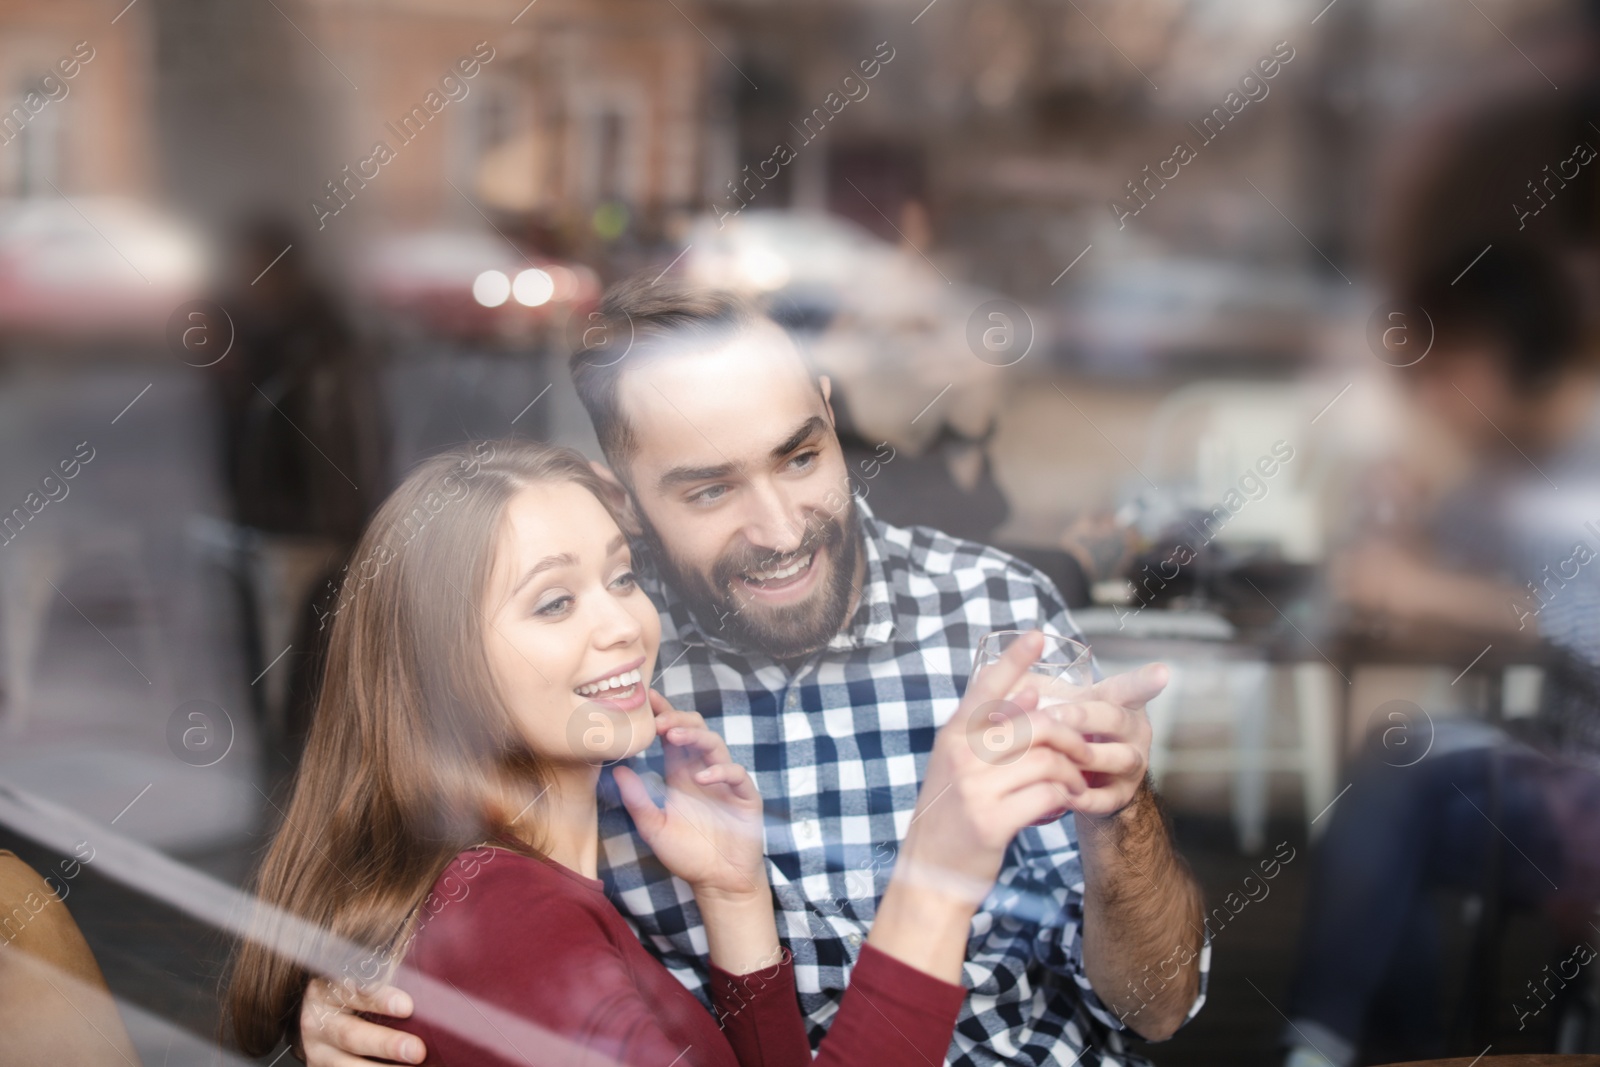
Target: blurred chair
(55, 1007)
(1205, 439)
(1218, 683)
(276, 576)
(34, 567)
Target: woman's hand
(709, 832)
(998, 765)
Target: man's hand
(1114, 723)
(332, 1035)
(1141, 914)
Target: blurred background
(1266, 329)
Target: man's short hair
(634, 316)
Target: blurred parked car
(1154, 315)
(93, 267)
(465, 283)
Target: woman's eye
(554, 606)
(625, 581)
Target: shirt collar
(871, 625)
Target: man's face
(1471, 395)
(743, 491)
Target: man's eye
(803, 460)
(708, 494)
(554, 607)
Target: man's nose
(774, 522)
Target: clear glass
(1063, 674)
(1065, 670)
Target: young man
(827, 647)
(1506, 556)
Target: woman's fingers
(735, 777)
(702, 740)
(646, 816)
(668, 716)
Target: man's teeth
(778, 573)
(620, 681)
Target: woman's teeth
(620, 681)
(777, 574)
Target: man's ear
(617, 497)
(825, 385)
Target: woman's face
(571, 638)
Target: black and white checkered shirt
(837, 746)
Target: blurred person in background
(303, 447)
(1511, 554)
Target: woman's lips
(631, 698)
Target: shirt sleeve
(549, 964)
(891, 1015)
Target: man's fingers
(324, 999)
(353, 1037)
(1029, 805)
(1134, 689)
(1100, 718)
(1002, 676)
(1114, 759)
(1050, 731)
(1044, 765)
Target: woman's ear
(617, 497)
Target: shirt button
(855, 940)
(807, 832)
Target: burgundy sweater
(520, 962)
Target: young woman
(489, 654)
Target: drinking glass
(1063, 674)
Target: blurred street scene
(1267, 330)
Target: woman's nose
(616, 625)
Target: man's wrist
(1114, 823)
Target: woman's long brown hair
(412, 755)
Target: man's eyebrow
(798, 438)
(684, 475)
(565, 559)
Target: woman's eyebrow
(565, 559)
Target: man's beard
(783, 633)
